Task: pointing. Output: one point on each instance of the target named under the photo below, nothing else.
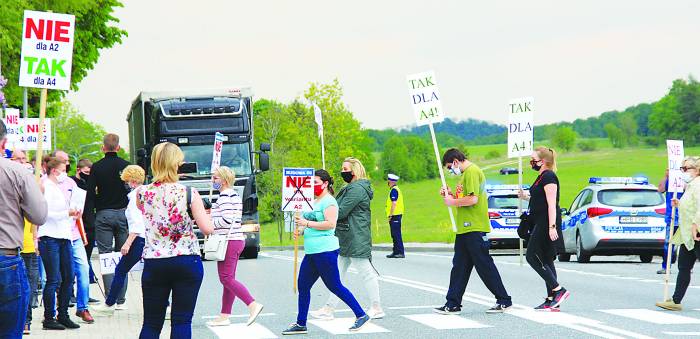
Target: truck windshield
(234, 156)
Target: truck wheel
(250, 252)
(646, 258)
(582, 255)
(564, 257)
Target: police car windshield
(630, 197)
(503, 201)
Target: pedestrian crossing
(339, 326)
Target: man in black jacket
(107, 194)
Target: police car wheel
(582, 255)
(564, 257)
(646, 258)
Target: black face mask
(347, 176)
(535, 166)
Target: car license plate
(512, 221)
(633, 220)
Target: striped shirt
(226, 215)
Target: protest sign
(218, 147)
(47, 50)
(676, 154)
(297, 189)
(12, 124)
(28, 134)
(109, 261)
(520, 127)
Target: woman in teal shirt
(321, 259)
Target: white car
(503, 213)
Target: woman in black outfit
(545, 237)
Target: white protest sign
(47, 50)
(13, 124)
(297, 189)
(218, 147)
(28, 134)
(676, 154)
(520, 127)
(425, 98)
(109, 261)
(77, 198)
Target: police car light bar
(619, 180)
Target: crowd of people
(42, 233)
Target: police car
(503, 214)
(615, 216)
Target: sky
(576, 58)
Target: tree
(628, 126)
(615, 135)
(76, 135)
(677, 114)
(564, 138)
(94, 32)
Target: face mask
(455, 170)
(535, 166)
(347, 176)
(318, 190)
(217, 186)
(62, 177)
(686, 177)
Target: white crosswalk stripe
(656, 317)
(341, 325)
(445, 322)
(254, 331)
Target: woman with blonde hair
(172, 262)
(545, 216)
(226, 214)
(355, 236)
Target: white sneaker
(375, 313)
(167, 313)
(257, 308)
(323, 313)
(220, 321)
(121, 307)
(102, 310)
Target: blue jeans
(472, 251)
(81, 268)
(395, 225)
(181, 275)
(32, 267)
(14, 296)
(664, 257)
(123, 267)
(57, 255)
(325, 266)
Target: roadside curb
(382, 247)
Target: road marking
(341, 325)
(239, 315)
(445, 322)
(412, 307)
(254, 331)
(684, 334)
(656, 317)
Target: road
(612, 297)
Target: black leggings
(686, 261)
(540, 255)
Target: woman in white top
(172, 262)
(133, 176)
(226, 214)
(56, 249)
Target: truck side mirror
(264, 161)
(265, 147)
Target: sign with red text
(12, 123)
(47, 50)
(28, 134)
(676, 153)
(425, 98)
(297, 189)
(520, 127)
(218, 147)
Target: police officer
(394, 211)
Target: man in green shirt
(471, 244)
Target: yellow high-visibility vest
(399, 202)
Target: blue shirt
(669, 197)
(317, 241)
(394, 194)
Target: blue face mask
(217, 186)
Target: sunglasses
(685, 168)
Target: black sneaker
(448, 310)
(393, 256)
(295, 329)
(68, 323)
(52, 324)
(359, 322)
(559, 297)
(92, 301)
(545, 306)
(498, 308)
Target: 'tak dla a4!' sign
(109, 261)
(520, 127)
(297, 189)
(425, 98)
(676, 154)
(47, 50)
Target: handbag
(215, 246)
(525, 227)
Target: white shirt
(58, 224)
(134, 217)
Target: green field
(427, 220)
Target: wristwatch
(553, 226)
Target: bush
(564, 138)
(587, 145)
(652, 141)
(492, 154)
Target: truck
(190, 119)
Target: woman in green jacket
(354, 233)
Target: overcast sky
(576, 58)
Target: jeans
(181, 275)
(32, 267)
(227, 276)
(90, 235)
(123, 267)
(325, 266)
(664, 256)
(395, 225)
(368, 274)
(80, 269)
(540, 255)
(111, 231)
(472, 251)
(686, 261)
(14, 296)
(58, 261)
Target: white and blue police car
(615, 216)
(503, 214)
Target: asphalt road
(612, 297)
